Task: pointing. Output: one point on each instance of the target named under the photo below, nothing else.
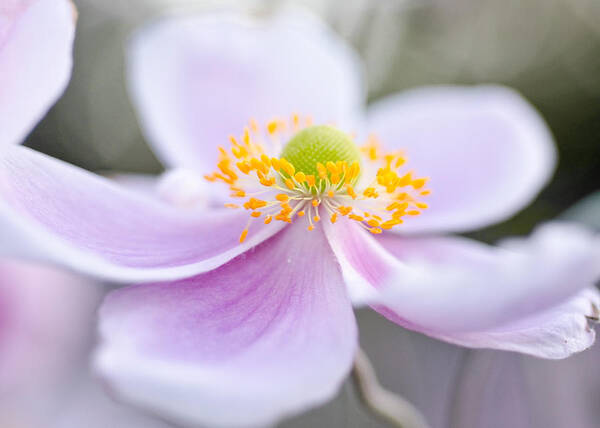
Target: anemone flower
(243, 314)
(36, 40)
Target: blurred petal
(50, 210)
(501, 389)
(266, 335)
(493, 391)
(446, 285)
(182, 188)
(197, 80)
(36, 41)
(487, 151)
(90, 406)
(45, 317)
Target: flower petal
(181, 188)
(486, 150)
(266, 335)
(555, 333)
(50, 210)
(197, 80)
(451, 285)
(36, 41)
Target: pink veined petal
(197, 80)
(268, 334)
(36, 42)
(486, 150)
(449, 286)
(53, 211)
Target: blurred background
(547, 49)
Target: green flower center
(320, 144)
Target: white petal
(486, 150)
(196, 80)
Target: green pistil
(322, 143)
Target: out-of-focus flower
(36, 42)
(44, 336)
(261, 324)
(496, 389)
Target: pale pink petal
(182, 188)
(451, 285)
(36, 42)
(502, 389)
(50, 210)
(197, 80)
(486, 150)
(268, 334)
(45, 318)
(555, 333)
(89, 405)
(494, 391)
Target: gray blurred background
(547, 49)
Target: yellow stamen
(379, 197)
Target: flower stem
(388, 406)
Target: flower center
(320, 144)
(320, 171)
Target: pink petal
(182, 188)
(50, 210)
(446, 286)
(45, 315)
(501, 389)
(486, 150)
(555, 333)
(36, 41)
(266, 335)
(197, 80)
